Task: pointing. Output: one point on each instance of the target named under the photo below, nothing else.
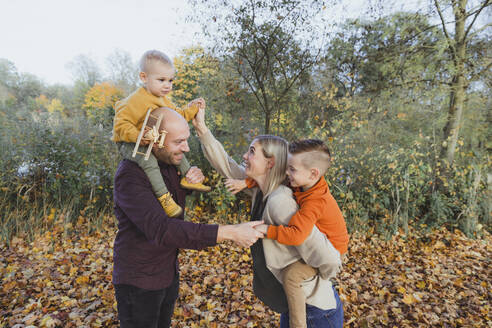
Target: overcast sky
(42, 36)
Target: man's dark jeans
(139, 307)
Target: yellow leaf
(401, 290)
(408, 299)
(82, 280)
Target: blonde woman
(266, 163)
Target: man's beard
(169, 158)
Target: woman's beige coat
(317, 251)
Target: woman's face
(256, 162)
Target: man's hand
(235, 185)
(195, 175)
(199, 122)
(243, 234)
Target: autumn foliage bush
(387, 189)
(386, 174)
(49, 161)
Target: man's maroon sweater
(146, 245)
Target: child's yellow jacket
(130, 113)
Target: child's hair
(154, 55)
(277, 148)
(319, 153)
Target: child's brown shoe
(170, 207)
(194, 186)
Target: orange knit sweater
(317, 207)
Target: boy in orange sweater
(157, 75)
(308, 161)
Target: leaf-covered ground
(63, 279)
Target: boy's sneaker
(170, 207)
(194, 186)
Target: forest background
(403, 99)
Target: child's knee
(297, 273)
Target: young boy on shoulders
(157, 75)
(308, 161)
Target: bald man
(146, 272)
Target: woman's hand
(200, 102)
(199, 122)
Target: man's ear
(143, 77)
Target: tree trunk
(453, 124)
(267, 120)
(458, 85)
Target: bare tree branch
(445, 30)
(485, 4)
(480, 30)
(477, 75)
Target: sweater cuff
(210, 234)
(272, 232)
(214, 228)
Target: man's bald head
(170, 118)
(178, 132)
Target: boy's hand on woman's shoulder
(235, 185)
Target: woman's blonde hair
(277, 148)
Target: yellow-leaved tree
(51, 105)
(99, 102)
(191, 66)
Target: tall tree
(85, 69)
(86, 74)
(122, 70)
(271, 44)
(18, 88)
(393, 51)
(463, 65)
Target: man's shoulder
(126, 167)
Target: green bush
(54, 163)
(49, 159)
